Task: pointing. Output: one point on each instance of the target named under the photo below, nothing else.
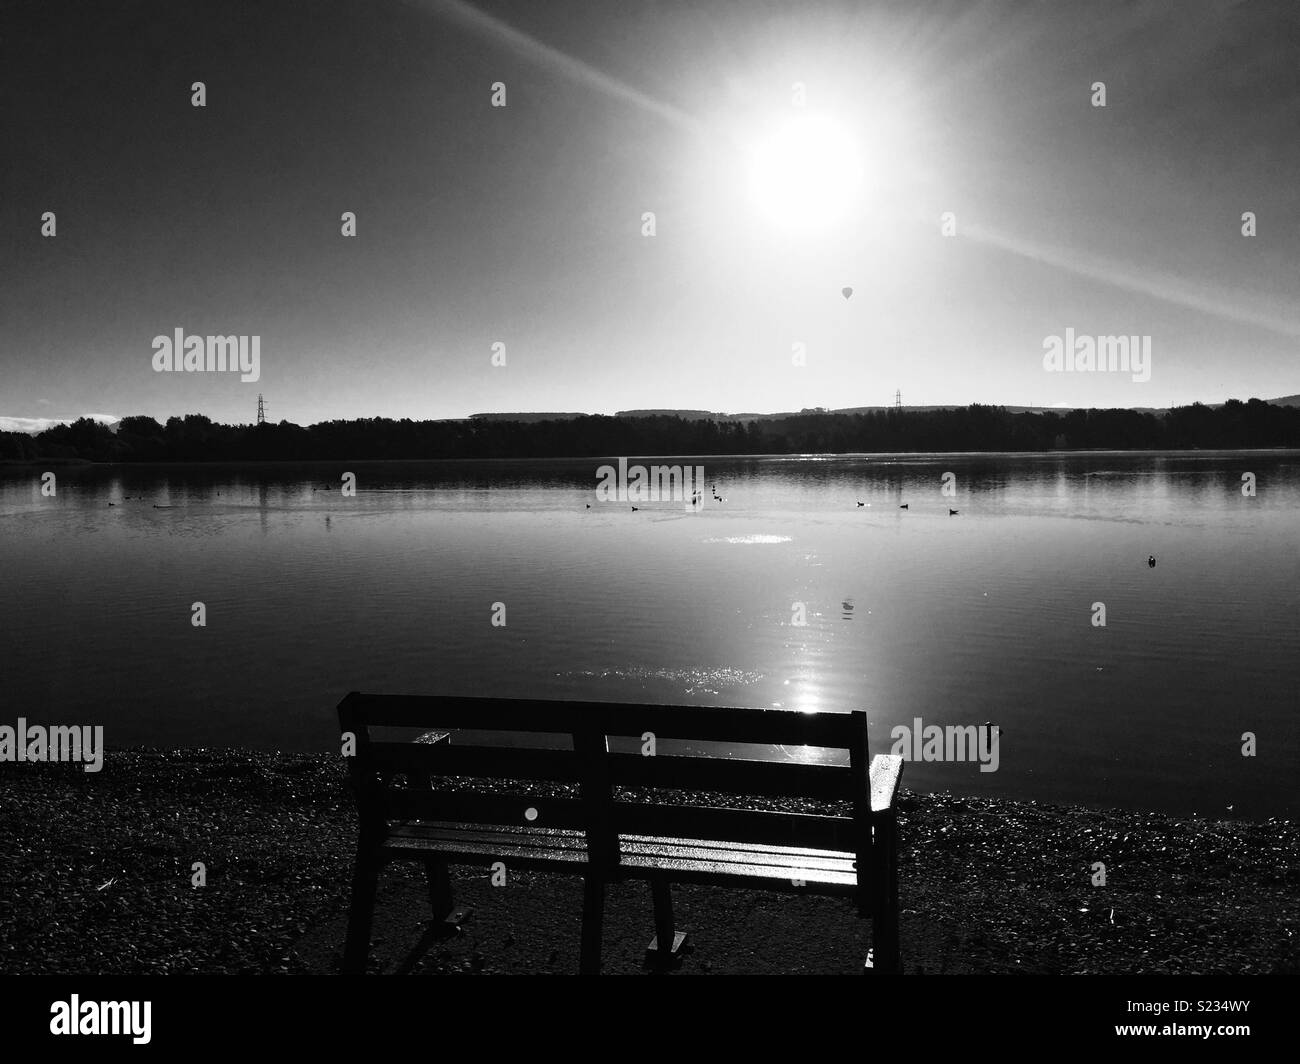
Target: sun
(806, 174)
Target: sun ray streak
(502, 33)
(1170, 289)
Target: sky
(787, 152)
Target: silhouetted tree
(196, 438)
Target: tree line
(196, 438)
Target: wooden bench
(415, 804)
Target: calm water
(985, 616)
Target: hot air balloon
(846, 292)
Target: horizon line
(35, 426)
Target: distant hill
(685, 415)
(525, 418)
(781, 415)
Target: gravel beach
(98, 869)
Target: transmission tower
(261, 410)
(898, 400)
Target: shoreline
(23, 463)
(99, 867)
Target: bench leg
(895, 948)
(884, 907)
(662, 894)
(439, 883)
(593, 917)
(365, 883)
(668, 940)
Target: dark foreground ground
(95, 877)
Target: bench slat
(505, 835)
(701, 870)
(673, 848)
(481, 762)
(486, 850)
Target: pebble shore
(98, 876)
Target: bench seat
(688, 860)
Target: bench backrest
(572, 744)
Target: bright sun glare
(806, 174)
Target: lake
(986, 616)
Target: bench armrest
(886, 770)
